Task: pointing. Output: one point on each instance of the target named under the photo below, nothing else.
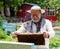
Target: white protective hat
(36, 8)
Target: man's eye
(35, 15)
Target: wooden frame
(37, 39)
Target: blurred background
(14, 12)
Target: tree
(1, 5)
(57, 4)
(13, 3)
(42, 3)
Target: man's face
(35, 15)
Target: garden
(5, 32)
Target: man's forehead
(35, 11)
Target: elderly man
(37, 24)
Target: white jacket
(46, 26)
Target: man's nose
(35, 16)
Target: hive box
(16, 45)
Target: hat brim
(42, 11)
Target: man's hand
(14, 34)
(45, 35)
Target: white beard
(35, 20)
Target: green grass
(55, 41)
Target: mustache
(35, 20)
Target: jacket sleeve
(21, 29)
(50, 29)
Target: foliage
(14, 2)
(41, 3)
(54, 3)
(1, 4)
(9, 38)
(2, 34)
(1, 20)
(55, 42)
(58, 16)
(57, 4)
(5, 37)
(45, 2)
